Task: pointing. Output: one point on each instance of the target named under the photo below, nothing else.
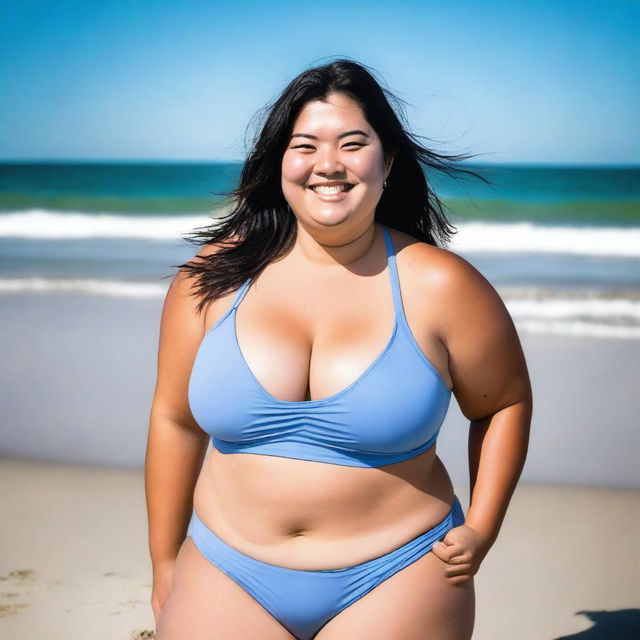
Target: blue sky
(536, 81)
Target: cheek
(294, 168)
(368, 166)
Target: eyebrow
(342, 135)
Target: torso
(313, 515)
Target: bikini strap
(240, 293)
(393, 274)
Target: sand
(74, 561)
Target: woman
(317, 338)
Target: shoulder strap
(393, 274)
(240, 293)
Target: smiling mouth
(332, 190)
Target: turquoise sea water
(568, 195)
(561, 244)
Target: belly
(313, 515)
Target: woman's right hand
(162, 583)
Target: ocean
(560, 244)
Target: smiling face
(333, 144)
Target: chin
(330, 219)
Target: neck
(342, 252)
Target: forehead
(330, 117)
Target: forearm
(173, 461)
(497, 452)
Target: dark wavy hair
(260, 226)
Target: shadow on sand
(623, 624)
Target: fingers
(441, 550)
(460, 558)
(459, 567)
(459, 550)
(448, 552)
(457, 570)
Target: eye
(309, 146)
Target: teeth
(329, 190)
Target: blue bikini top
(392, 412)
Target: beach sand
(74, 561)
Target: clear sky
(537, 81)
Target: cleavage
(301, 353)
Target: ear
(388, 163)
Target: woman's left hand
(463, 549)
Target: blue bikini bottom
(303, 601)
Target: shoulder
(463, 298)
(183, 281)
(209, 249)
(486, 361)
(435, 266)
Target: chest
(308, 353)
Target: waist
(286, 511)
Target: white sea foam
(42, 224)
(563, 308)
(541, 311)
(574, 313)
(473, 237)
(577, 328)
(83, 286)
(527, 237)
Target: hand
(463, 549)
(162, 583)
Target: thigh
(205, 603)
(417, 603)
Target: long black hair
(260, 226)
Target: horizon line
(131, 161)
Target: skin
(460, 324)
(333, 233)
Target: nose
(328, 161)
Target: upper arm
(486, 360)
(181, 331)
